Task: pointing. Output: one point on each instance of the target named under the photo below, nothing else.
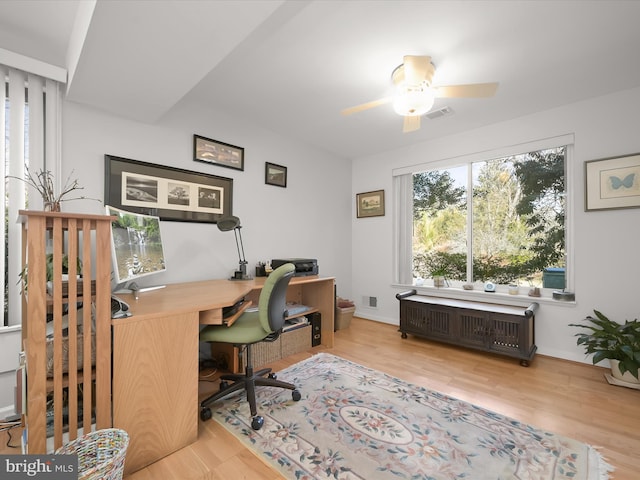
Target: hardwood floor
(567, 398)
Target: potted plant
(439, 275)
(43, 182)
(49, 269)
(620, 343)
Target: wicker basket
(100, 454)
(296, 341)
(266, 352)
(65, 354)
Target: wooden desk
(155, 357)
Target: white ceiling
(292, 65)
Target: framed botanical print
(612, 183)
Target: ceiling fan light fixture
(413, 100)
(415, 95)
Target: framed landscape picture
(370, 204)
(167, 192)
(217, 153)
(275, 175)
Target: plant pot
(439, 281)
(51, 206)
(626, 377)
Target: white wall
(298, 221)
(606, 256)
(10, 339)
(310, 218)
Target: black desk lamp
(226, 224)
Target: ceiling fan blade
(416, 69)
(411, 124)
(366, 106)
(477, 90)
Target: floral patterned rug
(357, 423)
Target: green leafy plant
(611, 340)
(49, 269)
(440, 272)
(440, 276)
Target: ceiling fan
(415, 94)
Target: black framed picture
(275, 175)
(217, 153)
(170, 193)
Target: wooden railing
(68, 388)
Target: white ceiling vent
(441, 112)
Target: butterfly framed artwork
(612, 183)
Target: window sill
(500, 297)
(10, 328)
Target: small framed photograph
(370, 204)
(275, 175)
(612, 183)
(217, 153)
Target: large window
(29, 138)
(500, 220)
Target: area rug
(357, 423)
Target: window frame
(403, 245)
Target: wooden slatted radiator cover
(502, 329)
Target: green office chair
(263, 325)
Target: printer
(304, 266)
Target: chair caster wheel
(205, 414)
(257, 422)
(296, 395)
(272, 376)
(224, 385)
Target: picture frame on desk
(173, 194)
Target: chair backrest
(273, 298)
